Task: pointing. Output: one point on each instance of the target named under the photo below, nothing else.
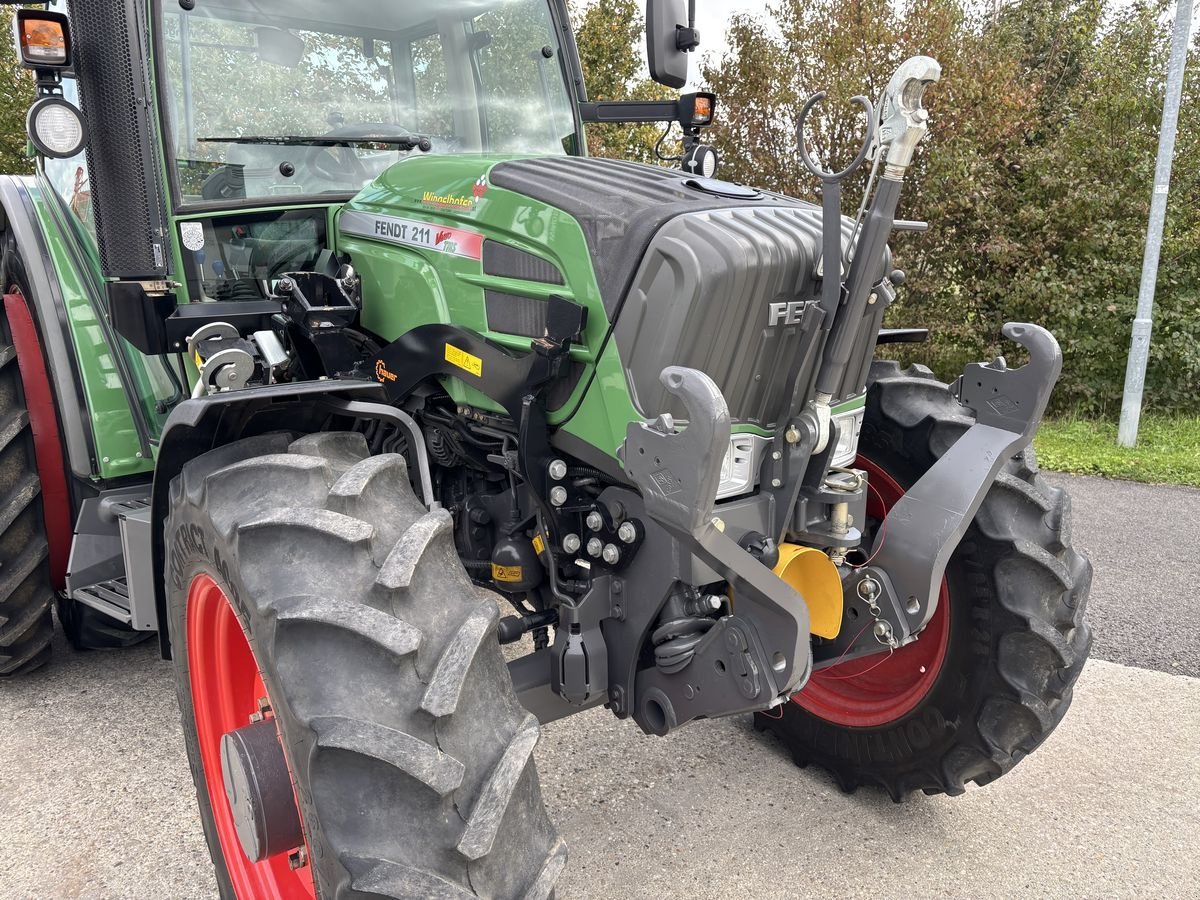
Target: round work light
(700, 160)
(56, 127)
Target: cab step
(110, 569)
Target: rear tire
(26, 623)
(410, 754)
(1016, 636)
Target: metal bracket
(1013, 399)
(923, 529)
(678, 474)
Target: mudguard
(197, 426)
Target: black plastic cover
(117, 106)
(619, 205)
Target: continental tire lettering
(189, 542)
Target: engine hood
(674, 270)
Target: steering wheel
(340, 163)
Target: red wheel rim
(875, 690)
(226, 687)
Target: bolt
(714, 601)
(595, 547)
(868, 588)
(572, 543)
(776, 455)
(872, 299)
(558, 470)
(264, 707)
(776, 482)
(627, 532)
(792, 435)
(594, 521)
(612, 555)
(558, 496)
(913, 606)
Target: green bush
(1036, 180)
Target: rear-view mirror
(668, 62)
(279, 47)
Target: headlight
(56, 128)
(740, 467)
(849, 430)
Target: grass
(1168, 449)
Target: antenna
(688, 39)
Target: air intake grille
(118, 110)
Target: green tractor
(330, 358)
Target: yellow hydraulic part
(815, 578)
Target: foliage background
(1036, 179)
(16, 95)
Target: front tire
(365, 641)
(992, 674)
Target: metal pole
(1139, 348)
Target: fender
(197, 426)
(44, 302)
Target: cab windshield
(271, 98)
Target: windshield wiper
(406, 142)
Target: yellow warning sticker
(538, 544)
(464, 360)
(508, 574)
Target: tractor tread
(384, 878)
(396, 637)
(341, 449)
(543, 887)
(17, 627)
(400, 566)
(450, 674)
(375, 490)
(12, 425)
(18, 499)
(411, 755)
(488, 812)
(13, 575)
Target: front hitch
(761, 653)
(923, 529)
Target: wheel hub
(878, 690)
(259, 789)
(246, 777)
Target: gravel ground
(96, 800)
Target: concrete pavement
(96, 800)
